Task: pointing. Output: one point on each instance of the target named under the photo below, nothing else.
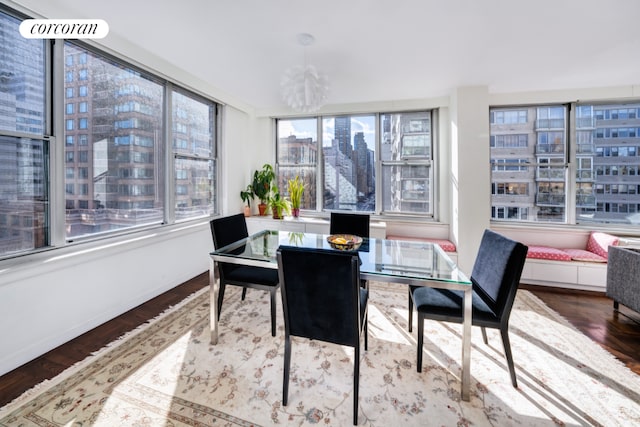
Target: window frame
(379, 211)
(618, 146)
(56, 98)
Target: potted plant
(296, 188)
(261, 186)
(246, 197)
(279, 205)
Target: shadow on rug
(167, 374)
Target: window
(128, 209)
(610, 194)
(337, 158)
(23, 149)
(531, 180)
(298, 156)
(604, 166)
(406, 171)
(348, 148)
(194, 195)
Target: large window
(24, 147)
(194, 155)
(601, 164)
(528, 181)
(117, 168)
(114, 199)
(348, 150)
(339, 157)
(298, 156)
(123, 111)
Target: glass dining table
(393, 261)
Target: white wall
(470, 172)
(49, 298)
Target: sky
(306, 128)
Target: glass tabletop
(380, 258)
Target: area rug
(167, 374)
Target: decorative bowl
(344, 242)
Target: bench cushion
(546, 252)
(583, 255)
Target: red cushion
(446, 245)
(546, 252)
(583, 255)
(599, 243)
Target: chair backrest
(349, 223)
(320, 294)
(497, 270)
(225, 231)
(228, 229)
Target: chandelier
(303, 88)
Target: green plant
(279, 205)
(262, 180)
(296, 188)
(247, 195)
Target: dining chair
(322, 300)
(230, 229)
(349, 223)
(495, 277)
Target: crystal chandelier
(303, 88)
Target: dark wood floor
(592, 313)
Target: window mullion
(571, 166)
(57, 218)
(377, 165)
(169, 158)
(319, 166)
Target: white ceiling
(380, 50)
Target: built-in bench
(578, 268)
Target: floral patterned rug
(167, 374)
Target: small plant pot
(262, 209)
(247, 211)
(295, 212)
(277, 213)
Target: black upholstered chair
(322, 300)
(230, 229)
(495, 277)
(349, 223)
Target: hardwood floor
(618, 331)
(592, 313)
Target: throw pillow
(599, 243)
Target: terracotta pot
(262, 209)
(247, 211)
(277, 213)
